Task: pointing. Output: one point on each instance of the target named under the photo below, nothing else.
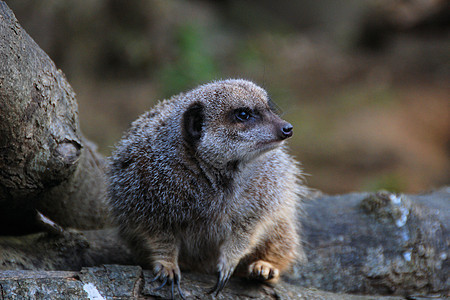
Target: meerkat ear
(193, 119)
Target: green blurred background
(364, 82)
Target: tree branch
(45, 162)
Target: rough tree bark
(380, 243)
(358, 243)
(45, 162)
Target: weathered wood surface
(45, 162)
(378, 243)
(131, 282)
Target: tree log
(383, 244)
(45, 162)
(380, 243)
(131, 282)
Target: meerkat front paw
(168, 273)
(263, 270)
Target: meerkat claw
(222, 280)
(176, 280)
(155, 278)
(162, 285)
(180, 292)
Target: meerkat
(204, 182)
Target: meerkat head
(232, 121)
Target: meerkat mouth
(269, 145)
(260, 149)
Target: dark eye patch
(244, 114)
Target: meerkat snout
(286, 131)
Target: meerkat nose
(286, 131)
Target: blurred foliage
(192, 64)
(390, 182)
(365, 83)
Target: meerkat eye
(242, 115)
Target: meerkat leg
(278, 252)
(164, 257)
(231, 253)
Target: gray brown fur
(195, 187)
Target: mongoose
(203, 181)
